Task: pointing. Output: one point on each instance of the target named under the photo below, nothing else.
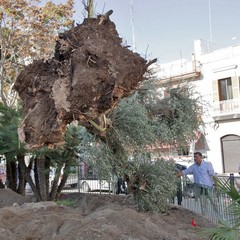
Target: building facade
(215, 73)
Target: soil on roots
(88, 75)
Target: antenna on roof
(210, 20)
(132, 23)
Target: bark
(32, 185)
(64, 177)
(47, 170)
(12, 174)
(41, 181)
(21, 175)
(54, 185)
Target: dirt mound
(90, 72)
(101, 217)
(9, 197)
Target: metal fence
(217, 204)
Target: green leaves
(67, 153)
(9, 142)
(178, 115)
(160, 184)
(132, 124)
(149, 117)
(138, 123)
(223, 232)
(227, 188)
(97, 153)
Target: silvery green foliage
(140, 121)
(132, 124)
(160, 185)
(150, 116)
(97, 154)
(175, 112)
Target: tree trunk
(41, 183)
(21, 175)
(66, 171)
(11, 174)
(29, 179)
(90, 9)
(54, 187)
(47, 170)
(32, 185)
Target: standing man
(203, 174)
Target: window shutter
(235, 85)
(215, 91)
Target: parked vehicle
(116, 185)
(86, 179)
(91, 185)
(72, 179)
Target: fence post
(231, 179)
(78, 182)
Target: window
(184, 151)
(225, 89)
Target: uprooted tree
(90, 73)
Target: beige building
(216, 76)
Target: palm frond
(228, 188)
(224, 231)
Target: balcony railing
(226, 107)
(178, 71)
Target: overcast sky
(166, 29)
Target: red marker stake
(193, 223)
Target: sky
(166, 29)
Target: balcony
(228, 109)
(178, 71)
